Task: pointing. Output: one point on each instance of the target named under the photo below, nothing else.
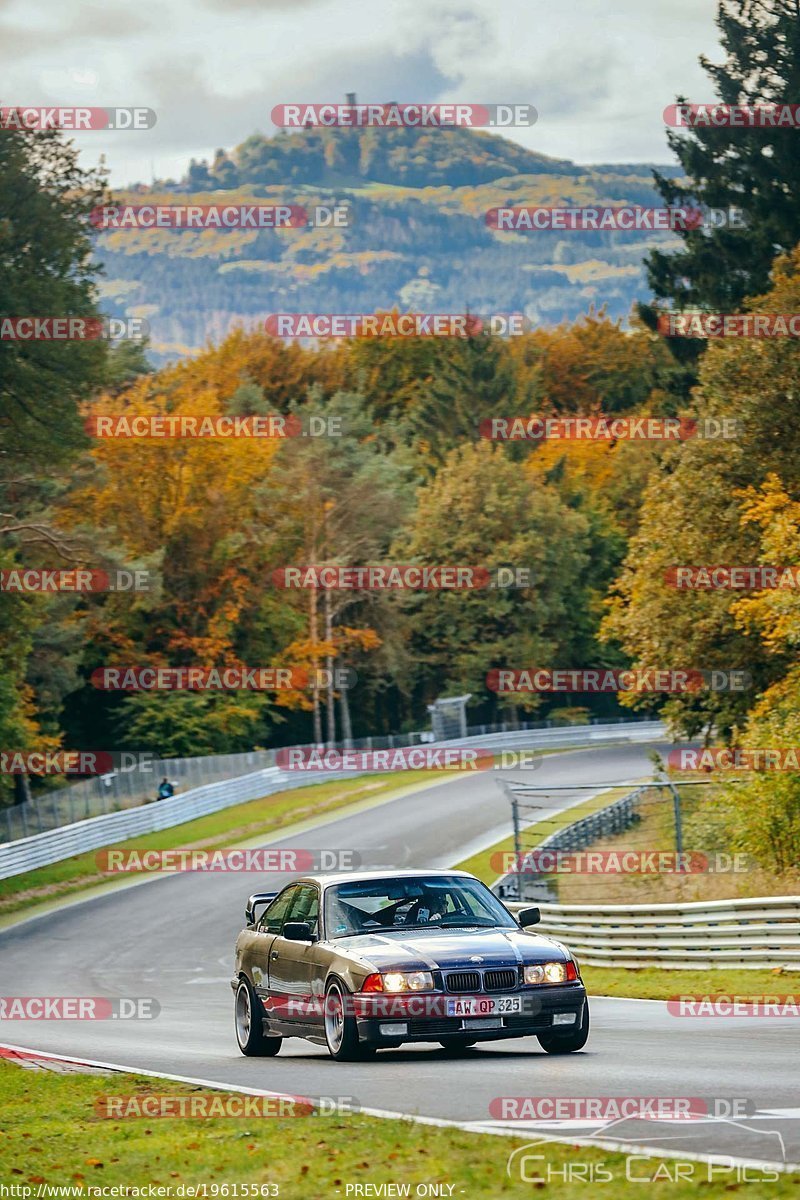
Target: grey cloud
(287, 6)
(90, 22)
(86, 25)
(18, 42)
(191, 113)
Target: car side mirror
(256, 899)
(297, 931)
(529, 916)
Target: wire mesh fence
(123, 789)
(653, 842)
(139, 785)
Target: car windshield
(417, 902)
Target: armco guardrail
(761, 933)
(83, 836)
(565, 735)
(41, 849)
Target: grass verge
(53, 1136)
(653, 983)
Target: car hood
(448, 949)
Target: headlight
(552, 972)
(408, 981)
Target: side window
(304, 906)
(274, 915)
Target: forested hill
(418, 239)
(404, 157)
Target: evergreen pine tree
(752, 169)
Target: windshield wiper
(447, 923)
(466, 923)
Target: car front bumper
(387, 1020)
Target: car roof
(328, 878)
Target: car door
(292, 965)
(262, 937)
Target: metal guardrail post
(517, 845)
(676, 804)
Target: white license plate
(483, 1006)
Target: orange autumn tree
(184, 508)
(207, 517)
(593, 368)
(594, 365)
(280, 370)
(179, 503)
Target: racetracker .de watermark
(418, 115)
(597, 680)
(404, 1006)
(79, 1008)
(621, 219)
(394, 325)
(74, 579)
(731, 1005)
(73, 329)
(73, 762)
(221, 216)
(123, 860)
(392, 577)
(408, 758)
(220, 679)
(715, 577)
(211, 1105)
(161, 426)
(620, 862)
(736, 758)
(619, 1108)
(607, 429)
(729, 325)
(732, 116)
(22, 118)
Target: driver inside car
(430, 908)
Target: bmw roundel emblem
(476, 958)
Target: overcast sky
(213, 69)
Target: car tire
(567, 1043)
(341, 1031)
(456, 1045)
(249, 1027)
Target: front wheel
(567, 1043)
(341, 1032)
(250, 1026)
